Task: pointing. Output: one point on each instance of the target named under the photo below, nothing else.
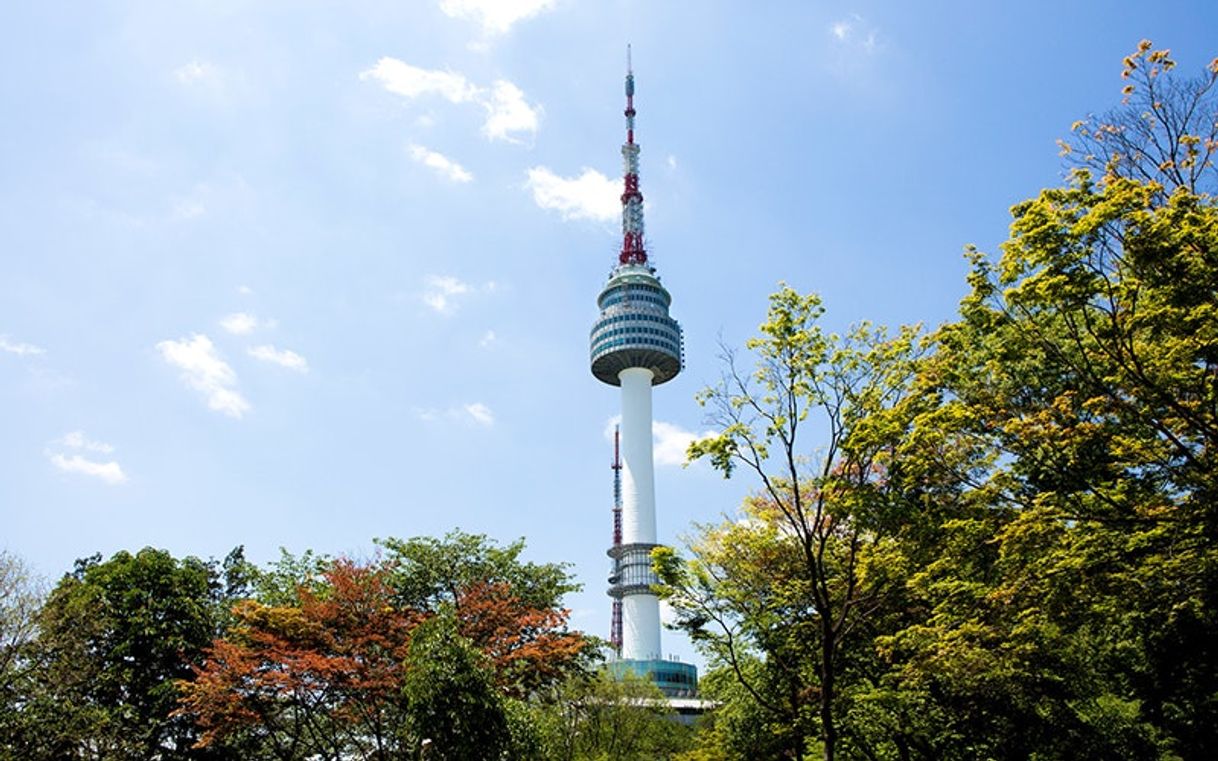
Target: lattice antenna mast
(633, 251)
(615, 624)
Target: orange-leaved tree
(320, 678)
(319, 671)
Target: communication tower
(635, 345)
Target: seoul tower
(635, 344)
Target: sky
(301, 274)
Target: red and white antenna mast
(632, 200)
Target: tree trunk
(828, 729)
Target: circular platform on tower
(634, 329)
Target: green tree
(430, 572)
(509, 608)
(452, 706)
(792, 582)
(1071, 613)
(21, 595)
(596, 716)
(114, 637)
(1086, 363)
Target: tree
(20, 598)
(740, 727)
(510, 609)
(601, 716)
(320, 670)
(1019, 540)
(788, 583)
(1072, 611)
(1086, 363)
(452, 704)
(529, 648)
(430, 572)
(322, 679)
(1165, 132)
(114, 638)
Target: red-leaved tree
(322, 678)
(320, 673)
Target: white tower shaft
(638, 472)
(641, 612)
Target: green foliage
(452, 706)
(740, 728)
(431, 572)
(283, 580)
(779, 596)
(1070, 611)
(597, 717)
(1082, 376)
(113, 639)
(21, 595)
(343, 665)
(1018, 529)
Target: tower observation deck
(635, 345)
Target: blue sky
(303, 274)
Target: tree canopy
(1000, 542)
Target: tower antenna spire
(633, 251)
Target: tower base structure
(674, 678)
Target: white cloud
(282, 357)
(671, 441)
(110, 472)
(239, 323)
(672, 161)
(245, 290)
(474, 413)
(480, 413)
(591, 195)
(495, 16)
(205, 371)
(77, 440)
(441, 290)
(487, 339)
(508, 113)
(668, 443)
(19, 348)
(855, 32)
(412, 82)
(443, 165)
(197, 72)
